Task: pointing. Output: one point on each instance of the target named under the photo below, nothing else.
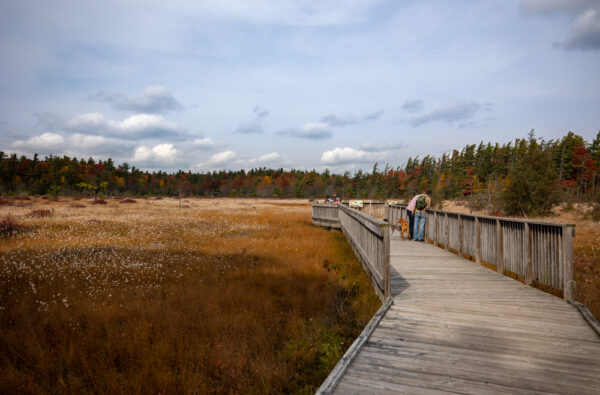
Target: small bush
(9, 226)
(4, 202)
(99, 201)
(40, 213)
(77, 205)
(128, 200)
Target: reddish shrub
(40, 213)
(99, 201)
(77, 205)
(4, 202)
(8, 226)
(128, 201)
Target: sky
(240, 84)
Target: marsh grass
(234, 297)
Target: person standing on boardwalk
(421, 206)
(336, 198)
(410, 211)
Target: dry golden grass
(224, 296)
(586, 249)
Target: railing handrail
(493, 217)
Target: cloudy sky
(229, 84)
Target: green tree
(531, 188)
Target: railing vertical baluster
(447, 236)
(437, 228)
(461, 235)
(527, 254)
(567, 260)
(500, 247)
(477, 241)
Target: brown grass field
(218, 296)
(586, 250)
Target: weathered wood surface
(458, 327)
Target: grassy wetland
(141, 295)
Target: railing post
(567, 258)
(527, 254)
(437, 230)
(477, 241)
(461, 234)
(447, 236)
(386, 262)
(499, 247)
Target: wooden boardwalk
(458, 327)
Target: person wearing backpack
(421, 206)
(410, 212)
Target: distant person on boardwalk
(421, 206)
(410, 211)
(328, 199)
(336, 198)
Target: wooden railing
(325, 215)
(534, 251)
(369, 238)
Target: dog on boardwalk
(403, 228)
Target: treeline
(512, 176)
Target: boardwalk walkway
(459, 327)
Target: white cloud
(154, 99)
(220, 159)
(344, 155)
(89, 121)
(45, 143)
(271, 159)
(139, 125)
(310, 130)
(142, 122)
(161, 154)
(86, 145)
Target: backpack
(421, 203)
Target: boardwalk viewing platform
(450, 324)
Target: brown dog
(403, 228)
